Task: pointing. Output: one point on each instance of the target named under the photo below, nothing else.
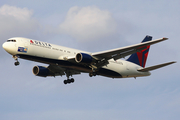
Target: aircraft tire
(65, 81)
(94, 74)
(68, 81)
(90, 74)
(16, 63)
(72, 80)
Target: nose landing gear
(16, 58)
(16, 63)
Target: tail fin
(140, 58)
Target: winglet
(155, 67)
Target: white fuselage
(58, 55)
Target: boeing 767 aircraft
(67, 61)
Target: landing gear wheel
(72, 80)
(68, 81)
(16, 58)
(65, 81)
(16, 63)
(92, 74)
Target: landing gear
(69, 81)
(16, 58)
(92, 74)
(68, 74)
(16, 63)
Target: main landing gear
(92, 74)
(16, 58)
(68, 74)
(68, 81)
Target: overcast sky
(93, 25)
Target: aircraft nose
(9, 47)
(4, 46)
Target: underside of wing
(57, 70)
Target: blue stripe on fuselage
(67, 64)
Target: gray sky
(93, 25)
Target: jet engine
(41, 71)
(84, 58)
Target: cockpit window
(11, 40)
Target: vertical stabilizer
(140, 58)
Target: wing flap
(155, 67)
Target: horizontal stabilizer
(155, 67)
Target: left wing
(57, 70)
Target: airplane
(67, 61)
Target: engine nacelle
(84, 58)
(41, 71)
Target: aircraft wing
(125, 51)
(103, 57)
(57, 70)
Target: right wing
(125, 51)
(101, 58)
